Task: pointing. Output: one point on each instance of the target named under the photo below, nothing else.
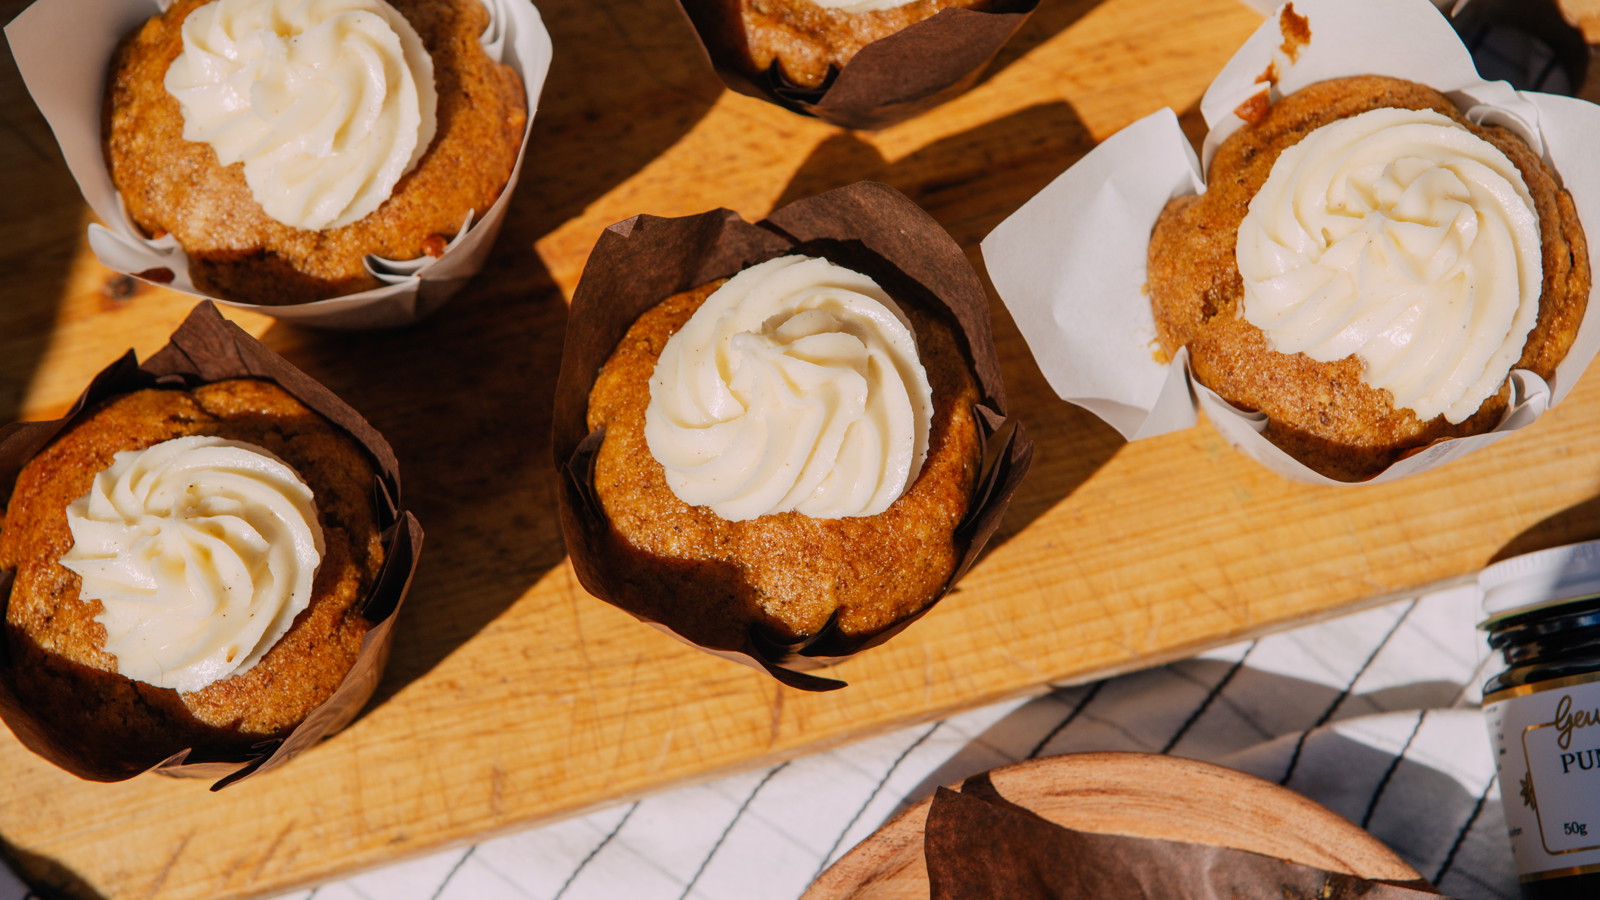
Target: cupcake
(345, 164)
(805, 41)
(1366, 268)
(786, 447)
(856, 63)
(786, 442)
(198, 566)
(1380, 268)
(353, 137)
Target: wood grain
(1136, 795)
(514, 697)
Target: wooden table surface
(514, 697)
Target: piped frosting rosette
(201, 551)
(1401, 238)
(327, 103)
(53, 37)
(1380, 219)
(794, 387)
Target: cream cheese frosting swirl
(1403, 238)
(202, 551)
(327, 103)
(795, 386)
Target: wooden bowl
(1135, 794)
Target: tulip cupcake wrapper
(207, 348)
(889, 80)
(1070, 264)
(63, 47)
(977, 842)
(641, 261)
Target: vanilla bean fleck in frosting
(327, 103)
(202, 552)
(1403, 238)
(795, 386)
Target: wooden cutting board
(513, 697)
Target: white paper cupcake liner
(62, 48)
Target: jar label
(1546, 740)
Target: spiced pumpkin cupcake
(370, 128)
(783, 449)
(1366, 267)
(805, 41)
(190, 567)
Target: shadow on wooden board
(1050, 18)
(970, 181)
(464, 398)
(42, 221)
(627, 81)
(47, 879)
(1569, 526)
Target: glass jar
(1543, 711)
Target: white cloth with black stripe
(1373, 714)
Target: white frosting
(326, 102)
(202, 551)
(795, 386)
(1403, 238)
(860, 6)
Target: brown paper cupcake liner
(977, 844)
(866, 226)
(888, 80)
(204, 349)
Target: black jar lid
(1541, 580)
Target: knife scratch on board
(272, 849)
(497, 783)
(161, 876)
(777, 714)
